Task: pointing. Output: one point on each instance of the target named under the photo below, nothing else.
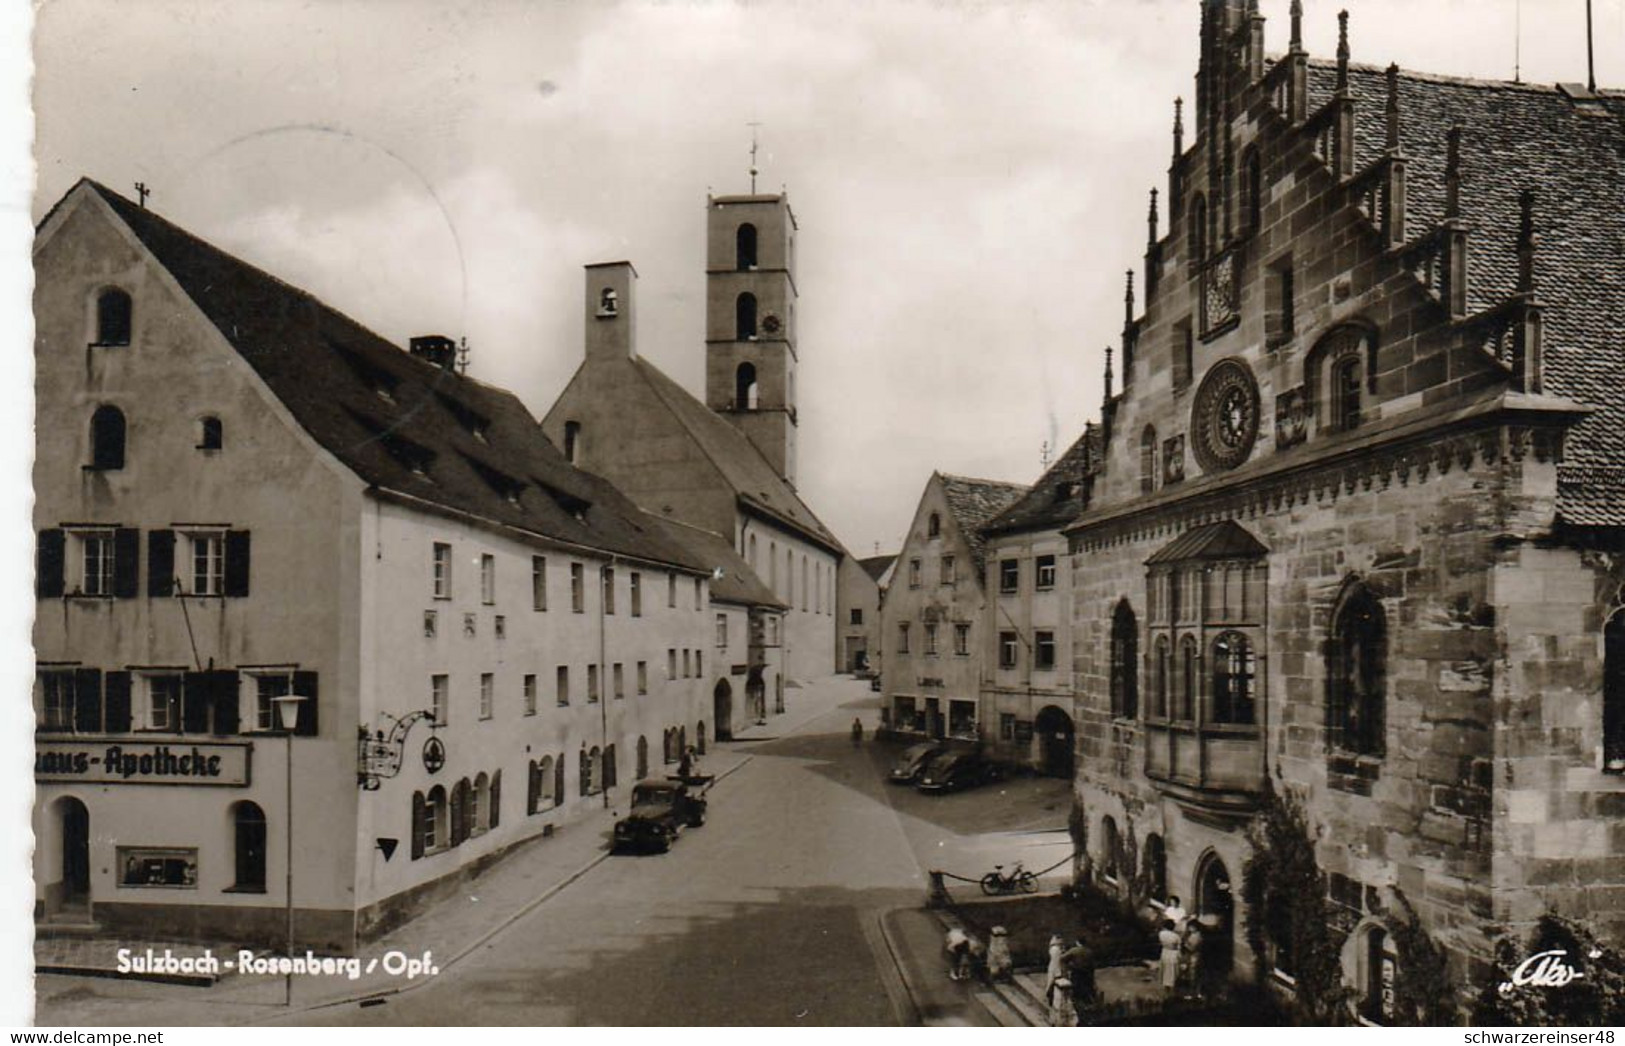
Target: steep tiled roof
(876, 565)
(732, 580)
(752, 478)
(1517, 137)
(973, 502)
(1060, 494)
(1223, 540)
(398, 422)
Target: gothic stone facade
(1353, 537)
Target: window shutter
(195, 701)
(117, 702)
(160, 563)
(227, 710)
(420, 815)
(304, 684)
(496, 799)
(87, 700)
(53, 547)
(237, 563)
(126, 562)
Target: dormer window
(113, 317)
(608, 303)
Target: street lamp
(287, 714)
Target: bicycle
(996, 883)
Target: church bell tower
(750, 321)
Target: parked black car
(913, 760)
(660, 810)
(952, 771)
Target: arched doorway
(722, 712)
(1215, 908)
(1055, 740)
(73, 820)
(699, 737)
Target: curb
(479, 942)
(913, 1018)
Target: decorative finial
(1342, 50)
(1452, 173)
(753, 172)
(1108, 372)
(1128, 297)
(1393, 106)
(1297, 26)
(143, 192)
(1151, 218)
(1528, 240)
(1179, 127)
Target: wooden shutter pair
(161, 563)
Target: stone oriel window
(1125, 656)
(1356, 674)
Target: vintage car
(955, 769)
(661, 809)
(913, 760)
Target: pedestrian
(1062, 1014)
(685, 765)
(1078, 966)
(1053, 972)
(1173, 910)
(1190, 959)
(1000, 966)
(857, 732)
(1168, 938)
(957, 946)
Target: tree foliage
(1284, 891)
(1424, 995)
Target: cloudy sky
(970, 178)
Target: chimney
(437, 349)
(611, 318)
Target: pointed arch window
(1125, 642)
(1156, 868)
(1148, 460)
(1159, 677)
(745, 247)
(107, 438)
(1356, 673)
(114, 314)
(746, 390)
(1196, 236)
(1344, 381)
(1189, 674)
(1613, 695)
(745, 316)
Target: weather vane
(143, 192)
(753, 125)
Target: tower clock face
(1224, 419)
(770, 324)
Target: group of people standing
(1179, 962)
